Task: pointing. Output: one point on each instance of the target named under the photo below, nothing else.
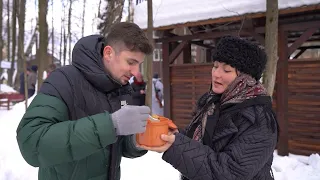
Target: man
(157, 95)
(32, 80)
(79, 125)
(139, 87)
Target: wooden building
(297, 91)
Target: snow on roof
(170, 12)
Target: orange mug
(154, 129)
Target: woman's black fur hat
(241, 54)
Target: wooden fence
(190, 81)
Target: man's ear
(107, 52)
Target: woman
(234, 131)
(139, 87)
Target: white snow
(169, 12)
(150, 166)
(6, 89)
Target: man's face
(139, 77)
(122, 65)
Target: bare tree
(8, 34)
(271, 45)
(43, 42)
(69, 28)
(21, 21)
(99, 6)
(61, 38)
(33, 40)
(52, 32)
(14, 34)
(83, 14)
(64, 46)
(22, 64)
(149, 61)
(130, 11)
(62, 32)
(112, 14)
(1, 38)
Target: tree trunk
(22, 64)
(43, 42)
(21, 56)
(130, 11)
(14, 37)
(61, 34)
(8, 36)
(69, 29)
(64, 46)
(1, 38)
(99, 6)
(61, 38)
(148, 62)
(271, 45)
(32, 42)
(52, 34)
(83, 14)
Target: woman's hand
(169, 139)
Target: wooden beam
(249, 24)
(302, 50)
(301, 26)
(258, 37)
(303, 38)
(311, 39)
(166, 80)
(175, 53)
(282, 93)
(310, 47)
(198, 43)
(202, 36)
(165, 33)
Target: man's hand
(130, 119)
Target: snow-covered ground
(13, 166)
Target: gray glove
(130, 119)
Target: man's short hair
(130, 36)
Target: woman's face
(222, 76)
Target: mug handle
(172, 125)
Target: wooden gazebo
(297, 91)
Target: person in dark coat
(82, 121)
(139, 87)
(22, 81)
(32, 80)
(21, 87)
(234, 130)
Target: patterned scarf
(242, 88)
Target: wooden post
(271, 45)
(282, 93)
(208, 55)
(166, 79)
(149, 60)
(187, 54)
